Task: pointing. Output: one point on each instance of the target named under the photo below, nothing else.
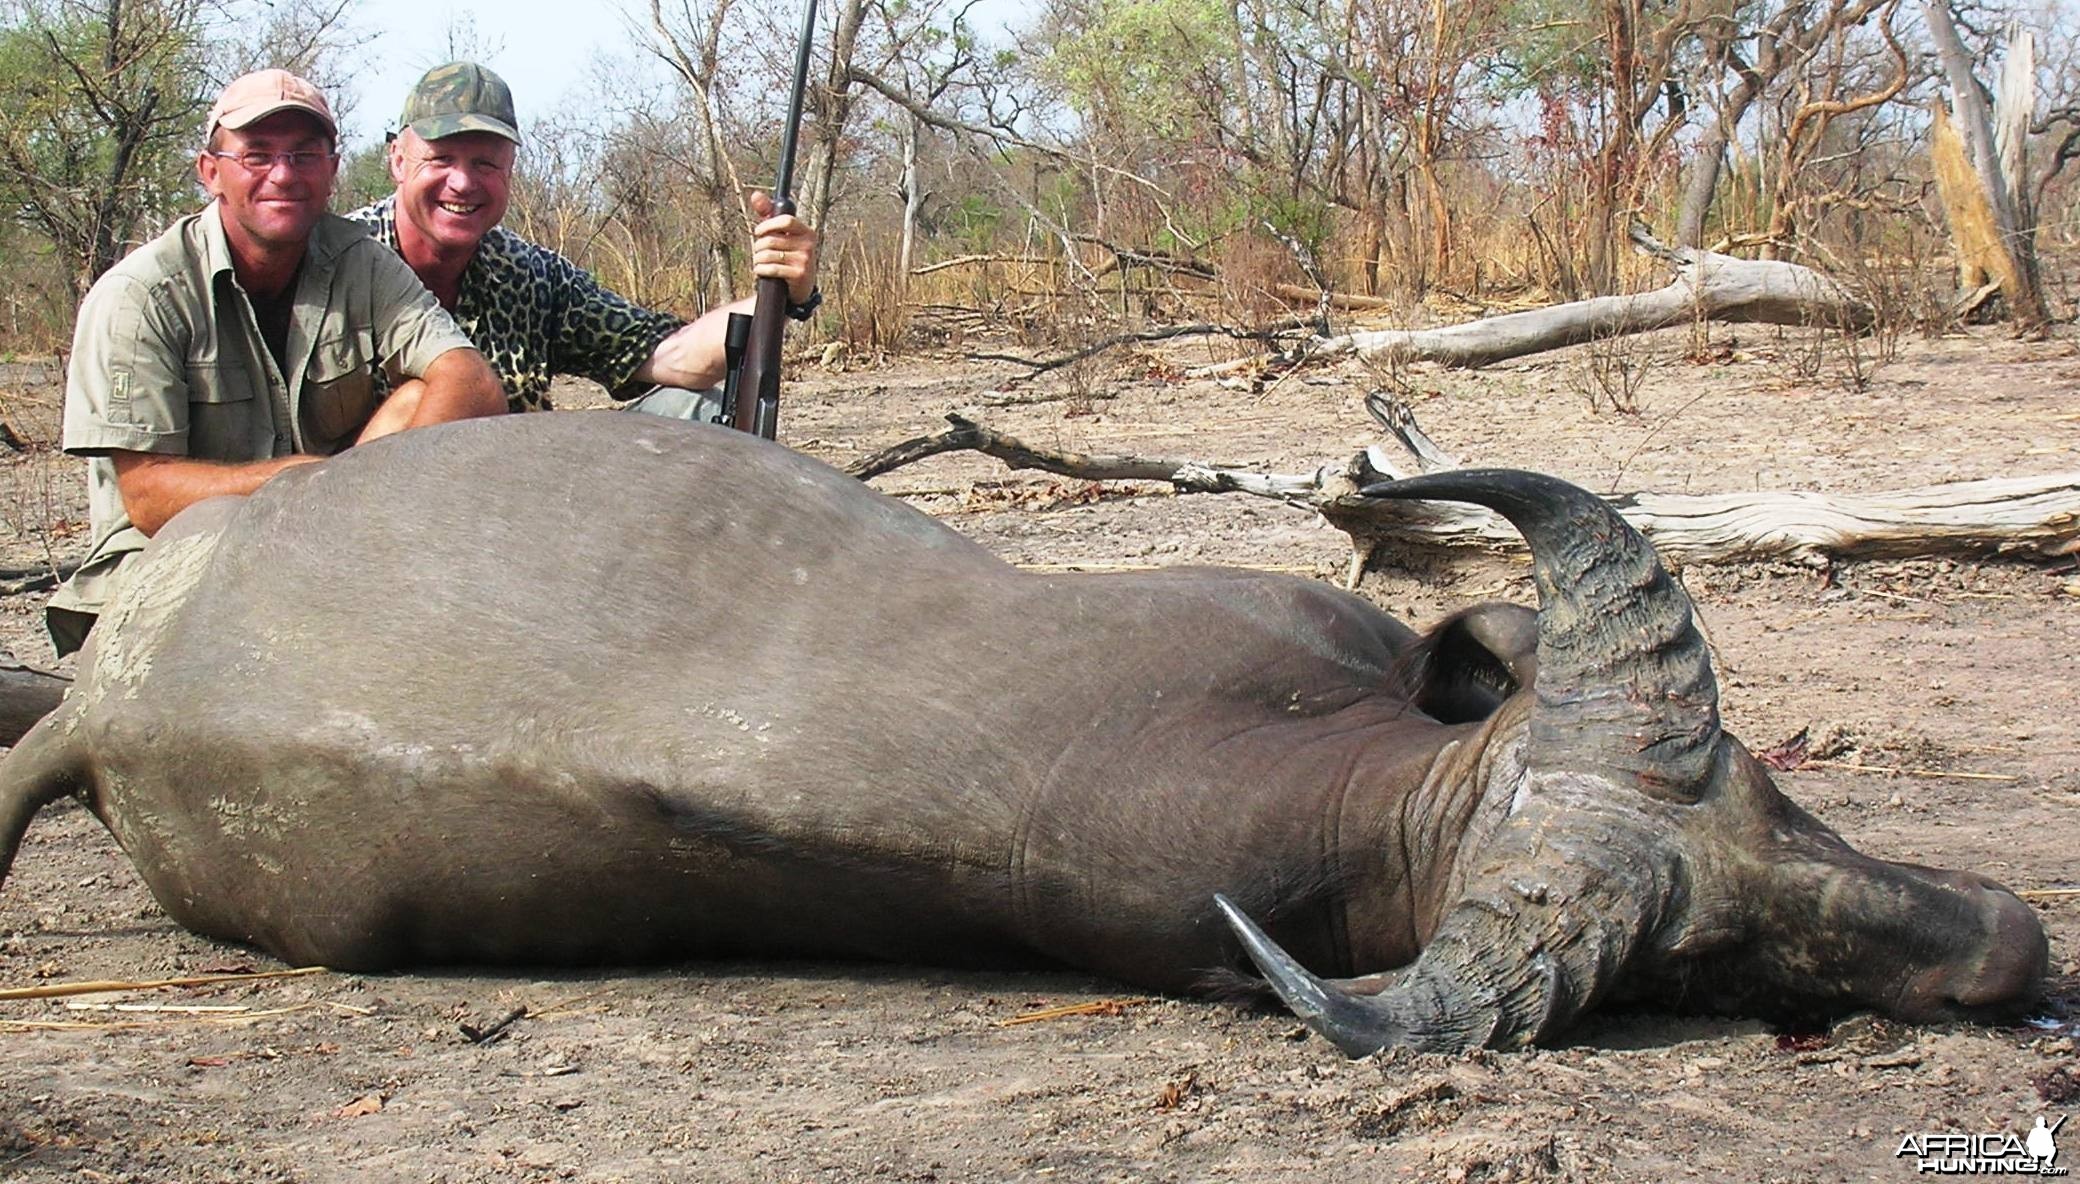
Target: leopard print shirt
(535, 314)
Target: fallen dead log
(1707, 286)
(1347, 301)
(987, 261)
(1186, 476)
(2027, 515)
(2039, 515)
(2033, 515)
(1038, 366)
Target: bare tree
(1784, 36)
(831, 106)
(316, 39)
(689, 40)
(929, 51)
(1830, 88)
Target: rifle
(756, 408)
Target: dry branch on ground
(2038, 515)
(27, 694)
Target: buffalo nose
(2010, 969)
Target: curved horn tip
(1358, 1025)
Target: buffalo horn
(1357, 1024)
(1624, 682)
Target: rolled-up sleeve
(411, 327)
(126, 386)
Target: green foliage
(973, 221)
(1251, 200)
(1133, 61)
(1555, 46)
(102, 105)
(100, 109)
(1552, 45)
(364, 177)
(1306, 219)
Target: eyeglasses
(263, 162)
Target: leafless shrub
(1609, 371)
(1251, 268)
(1898, 283)
(1079, 380)
(1390, 372)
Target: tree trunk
(1707, 285)
(913, 196)
(834, 110)
(1975, 122)
(1703, 182)
(698, 66)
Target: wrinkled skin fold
(456, 697)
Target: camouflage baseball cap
(460, 97)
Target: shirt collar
(380, 219)
(216, 249)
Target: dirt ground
(1947, 687)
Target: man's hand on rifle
(784, 247)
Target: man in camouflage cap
(534, 313)
(240, 344)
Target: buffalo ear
(1472, 662)
(1559, 907)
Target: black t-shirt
(272, 313)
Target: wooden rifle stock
(758, 388)
(757, 407)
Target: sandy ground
(1949, 686)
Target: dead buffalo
(590, 689)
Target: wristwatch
(807, 308)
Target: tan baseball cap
(255, 96)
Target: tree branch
(2030, 515)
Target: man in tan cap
(240, 343)
(534, 313)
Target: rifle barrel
(757, 407)
(783, 191)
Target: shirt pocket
(339, 395)
(220, 411)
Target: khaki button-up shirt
(167, 357)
